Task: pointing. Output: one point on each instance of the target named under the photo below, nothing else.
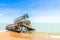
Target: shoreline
(43, 33)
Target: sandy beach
(8, 35)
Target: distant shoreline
(3, 30)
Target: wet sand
(8, 35)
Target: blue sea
(40, 27)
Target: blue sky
(40, 11)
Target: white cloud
(6, 20)
(8, 15)
(45, 19)
(1, 14)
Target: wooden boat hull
(15, 30)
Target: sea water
(51, 28)
(40, 27)
(3, 26)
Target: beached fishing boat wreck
(21, 24)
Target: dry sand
(8, 35)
